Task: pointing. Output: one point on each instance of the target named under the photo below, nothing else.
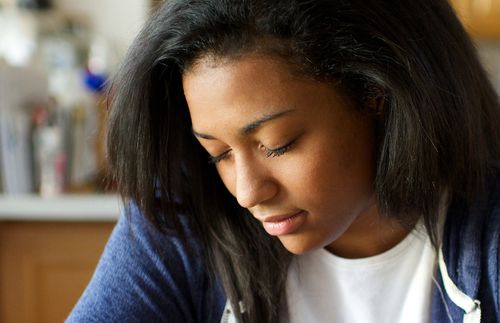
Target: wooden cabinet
(45, 266)
(480, 17)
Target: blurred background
(55, 57)
(57, 206)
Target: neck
(369, 235)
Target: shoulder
(471, 245)
(477, 222)
(145, 274)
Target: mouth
(283, 224)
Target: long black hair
(439, 126)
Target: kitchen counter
(92, 207)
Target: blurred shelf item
(480, 17)
(92, 207)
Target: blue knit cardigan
(145, 276)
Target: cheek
(332, 176)
(301, 178)
(227, 177)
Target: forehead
(225, 94)
(217, 88)
(239, 69)
(248, 77)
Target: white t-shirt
(392, 287)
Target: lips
(278, 218)
(278, 225)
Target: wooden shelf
(45, 266)
(49, 248)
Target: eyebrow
(251, 127)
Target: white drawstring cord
(228, 315)
(471, 307)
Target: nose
(254, 185)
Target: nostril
(247, 196)
(252, 195)
(253, 182)
(244, 202)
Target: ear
(376, 105)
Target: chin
(297, 247)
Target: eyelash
(216, 159)
(278, 151)
(269, 153)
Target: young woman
(302, 161)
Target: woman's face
(293, 151)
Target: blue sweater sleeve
(144, 275)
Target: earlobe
(376, 105)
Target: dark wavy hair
(439, 128)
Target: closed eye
(268, 152)
(278, 151)
(218, 158)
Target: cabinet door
(45, 266)
(480, 17)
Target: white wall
(117, 20)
